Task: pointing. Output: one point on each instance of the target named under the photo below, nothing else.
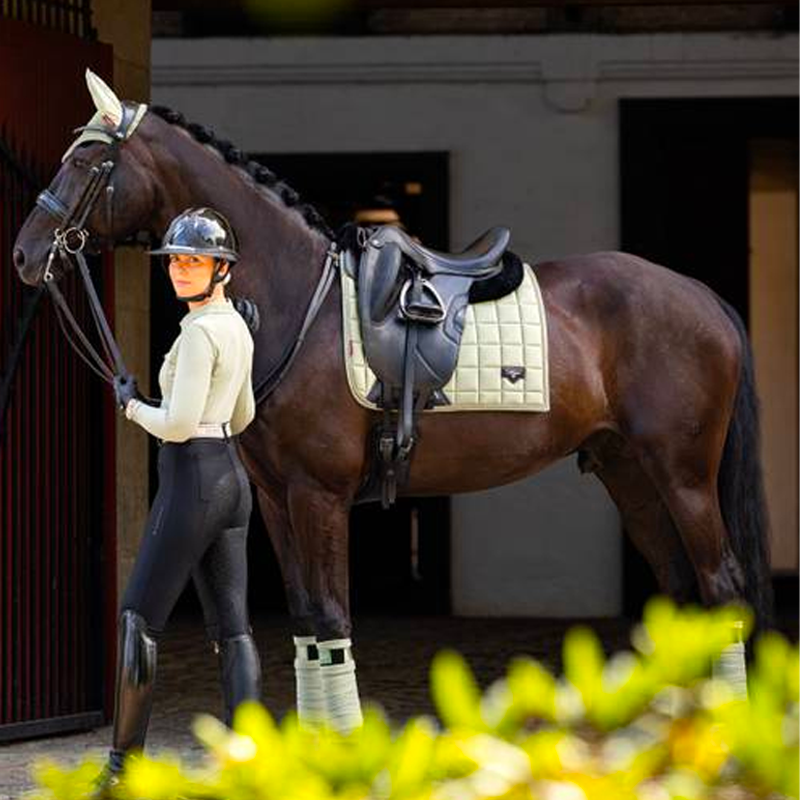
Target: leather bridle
(70, 239)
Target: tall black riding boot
(240, 672)
(136, 671)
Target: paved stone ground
(393, 657)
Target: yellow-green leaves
(455, 692)
(414, 750)
(532, 689)
(583, 666)
(650, 724)
(680, 644)
(66, 784)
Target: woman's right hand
(125, 390)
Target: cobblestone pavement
(393, 657)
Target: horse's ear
(107, 103)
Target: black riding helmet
(201, 232)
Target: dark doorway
(399, 559)
(685, 166)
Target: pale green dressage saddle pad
(502, 363)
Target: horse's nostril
(19, 257)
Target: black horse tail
(741, 487)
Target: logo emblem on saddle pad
(512, 374)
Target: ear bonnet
(112, 121)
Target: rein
(70, 239)
(267, 386)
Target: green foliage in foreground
(649, 724)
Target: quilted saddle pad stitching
(476, 384)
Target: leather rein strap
(267, 386)
(70, 239)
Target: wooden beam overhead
(376, 5)
(373, 5)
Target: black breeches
(197, 528)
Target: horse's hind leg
(697, 514)
(649, 523)
(645, 518)
(687, 483)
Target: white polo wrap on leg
(731, 666)
(308, 681)
(342, 704)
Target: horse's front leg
(319, 521)
(308, 679)
(308, 528)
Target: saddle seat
(480, 259)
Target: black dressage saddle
(412, 304)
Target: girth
(412, 304)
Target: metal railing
(51, 485)
(67, 16)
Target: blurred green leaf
(645, 725)
(455, 692)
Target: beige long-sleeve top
(206, 376)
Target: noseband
(70, 239)
(71, 235)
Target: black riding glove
(125, 389)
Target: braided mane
(258, 172)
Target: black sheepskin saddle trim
(505, 282)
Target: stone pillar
(125, 25)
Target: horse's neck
(281, 258)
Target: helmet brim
(229, 255)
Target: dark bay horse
(651, 386)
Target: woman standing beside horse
(197, 526)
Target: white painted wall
(531, 127)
